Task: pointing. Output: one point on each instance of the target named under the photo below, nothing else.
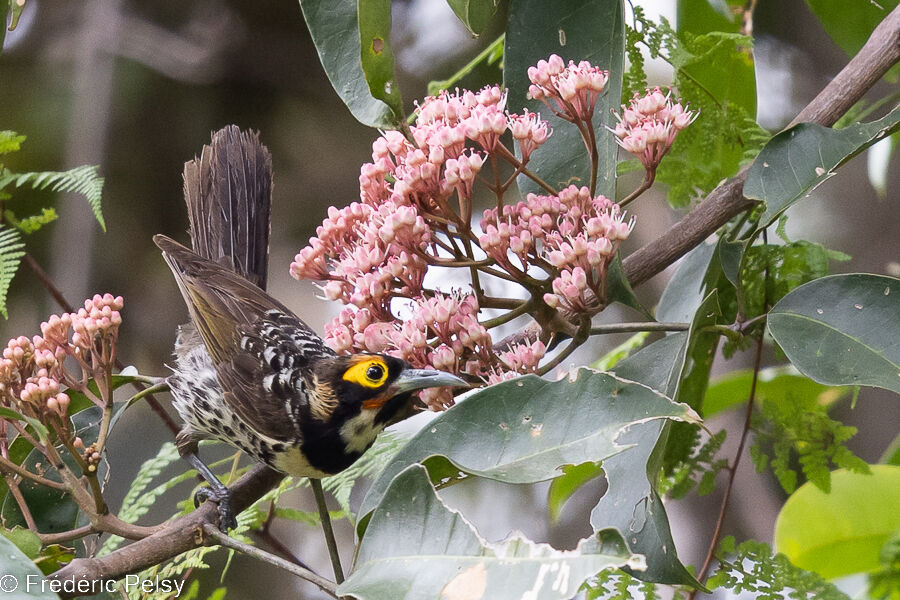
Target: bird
(247, 370)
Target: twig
(319, 493)
(649, 177)
(630, 327)
(66, 536)
(8, 465)
(266, 536)
(732, 470)
(13, 486)
(229, 542)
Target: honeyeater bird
(248, 372)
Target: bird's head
(374, 382)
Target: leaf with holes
(526, 429)
(334, 27)
(416, 547)
(376, 54)
(842, 330)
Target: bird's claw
(222, 499)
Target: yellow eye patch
(368, 372)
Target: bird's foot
(222, 498)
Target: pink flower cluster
(577, 234)
(573, 89)
(377, 250)
(32, 371)
(648, 125)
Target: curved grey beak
(419, 379)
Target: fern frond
(12, 249)
(84, 180)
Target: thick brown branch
(179, 536)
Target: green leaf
(851, 23)
(592, 30)
(17, 570)
(15, 11)
(754, 569)
(25, 540)
(10, 141)
(842, 330)
(334, 28)
(632, 504)
(706, 16)
(562, 488)
(801, 158)
(84, 180)
(12, 249)
(689, 286)
(618, 288)
(842, 532)
(524, 430)
(774, 384)
(376, 55)
(476, 15)
(33, 223)
(620, 352)
(416, 547)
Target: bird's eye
(374, 373)
(367, 371)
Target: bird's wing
(259, 348)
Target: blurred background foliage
(137, 87)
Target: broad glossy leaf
(526, 429)
(705, 16)
(632, 504)
(688, 287)
(798, 160)
(842, 330)
(592, 30)
(376, 54)
(841, 532)
(334, 28)
(416, 547)
(475, 14)
(16, 569)
(850, 23)
(774, 384)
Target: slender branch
(319, 493)
(13, 486)
(505, 154)
(631, 327)
(9, 466)
(732, 469)
(265, 535)
(649, 177)
(510, 315)
(229, 542)
(66, 536)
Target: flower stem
(649, 177)
(631, 327)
